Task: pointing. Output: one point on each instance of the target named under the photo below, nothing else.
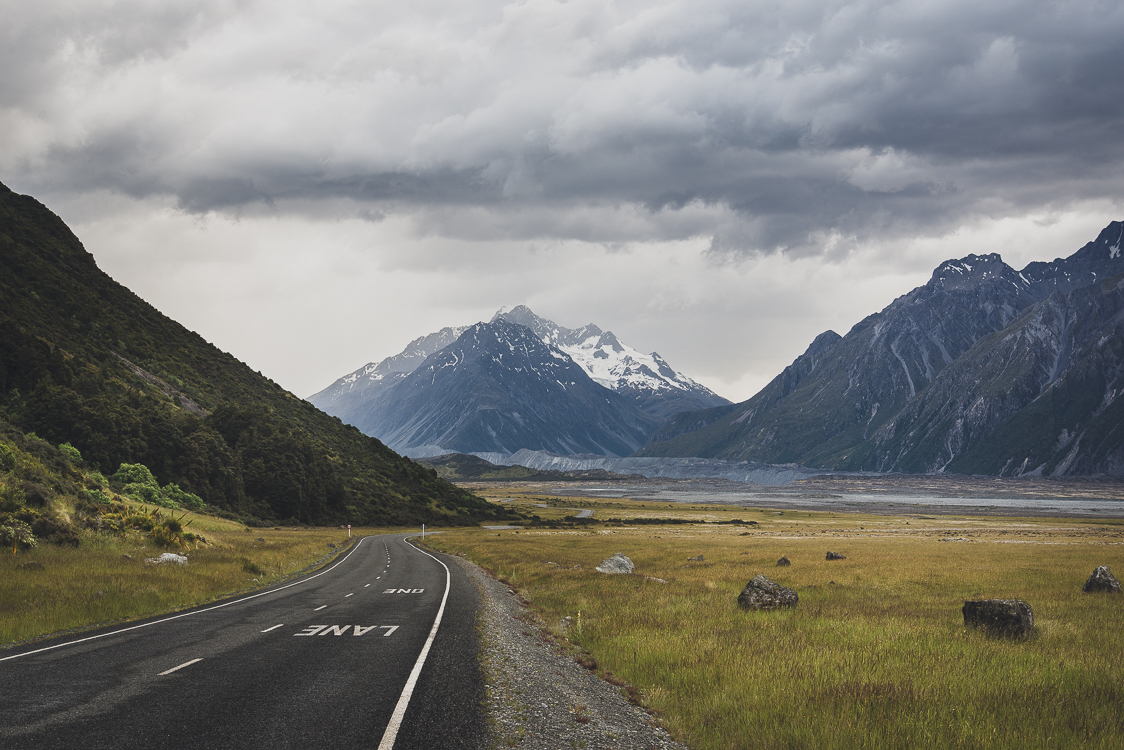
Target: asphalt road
(315, 662)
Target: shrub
(18, 534)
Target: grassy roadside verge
(876, 654)
(53, 589)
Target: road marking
(349, 595)
(181, 666)
(273, 628)
(341, 629)
(404, 591)
(367, 586)
(323, 606)
(189, 614)
(395, 724)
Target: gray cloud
(801, 126)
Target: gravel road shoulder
(538, 697)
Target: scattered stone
(784, 562)
(331, 546)
(551, 564)
(1010, 617)
(576, 567)
(835, 556)
(261, 538)
(99, 594)
(1102, 580)
(255, 580)
(343, 528)
(126, 557)
(566, 621)
(654, 579)
(761, 593)
(696, 558)
(167, 557)
(618, 563)
(31, 565)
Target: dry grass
(96, 584)
(876, 654)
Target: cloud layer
(800, 126)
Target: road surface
(317, 662)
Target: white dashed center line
(181, 666)
(323, 606)
(349, 595)
(273, 628)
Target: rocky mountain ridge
(917, 386)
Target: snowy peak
(973, 270)
(610, 362)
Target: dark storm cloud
(798, 125)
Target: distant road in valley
(316, 662)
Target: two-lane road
(321, 661)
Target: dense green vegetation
(84, 361)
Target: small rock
(126, 557)
(835, 556)
(99, 594)
(331, 546)
(618, 563)
(343, 528)
(576, 567)
(255, 580)
(784, 562)
(696, 558)
(1102, 580)
(551, 564)
(653, 579)
(1010, 617)
(261, 538)
(566, 622)
(761, 593)
(167, 557)
(31, 565)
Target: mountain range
(984, 369)
(516, 382)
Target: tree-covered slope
(84, 360)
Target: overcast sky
(312, 185)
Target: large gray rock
(835, 556)
(761, 593)
(1011, 617)
(1102, 580)
(167, 558)
(618, 563)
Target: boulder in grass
(618, 563)
(1010, 617)
(761, 593)
(696, 558)
(835, 556)
(166, 559)
(784, 562)
(1102, 580)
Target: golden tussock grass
(876, 655)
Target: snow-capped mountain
(499, 388)
(646, 379)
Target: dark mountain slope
(500, 388)
(84, 360)
(826, 408)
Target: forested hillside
(85, 361)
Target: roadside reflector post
(349, 531)
(423, 532)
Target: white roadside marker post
(423, 532)
(349, 531)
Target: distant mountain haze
(983, 369)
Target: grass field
(876, 654)
(96, 583)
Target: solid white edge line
(189, 614)
(395, 724)
(181, 666)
